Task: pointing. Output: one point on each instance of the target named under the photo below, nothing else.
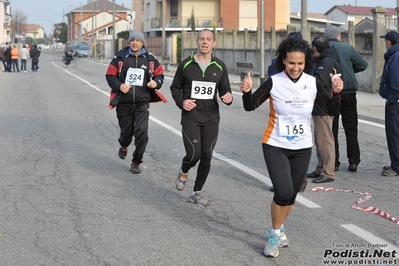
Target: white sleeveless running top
(291, 106)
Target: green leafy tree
(61, 32)
(123, 35)
(29, 40)
(178, 48)
(40, 41)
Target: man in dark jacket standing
(134, 75)
(7, 57)
(2, 58)
(351, 62)
(34, 55)
(325, 108)
(389, 90)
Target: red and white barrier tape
(367, 196)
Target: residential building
(316, 22)
(219, 14)
(5, 21)
(35, 31)
(95, 21)
(346, 13)
(365, 26)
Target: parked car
(84, 51)
(75, 49)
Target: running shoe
(283, 238)
(123, 152)
(197, 199)
(135, 168)
(271, 248)
(181, 180)
(390, 172)
(387, 167)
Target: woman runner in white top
(287, 141)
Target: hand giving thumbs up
(246, 84)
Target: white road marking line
(371, 123)
(369, 237)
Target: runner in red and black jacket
(134, 76)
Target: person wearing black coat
(352, 62)
(7, 58)
(326, 106)
(34, 55)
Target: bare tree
(18, 23)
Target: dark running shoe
(135, 168)
(123, 152)
(386, 168)
(352, 167)
(390, 172)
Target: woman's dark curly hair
(295, 45)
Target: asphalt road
(67, 199)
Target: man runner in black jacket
(197, 82)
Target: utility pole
(304, 19)
(69, 27)
(95, 36)
(113, 29)
(92, 23)
(134, 19)
(262, 42)
(397, 15)
(163, 29)
(80, 30)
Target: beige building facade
(219, 14)
(34, 31)
(5, 21)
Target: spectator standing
(24, 55)
(30, 48)
(34, 55)
(2, 57)
(198, 80)
(14, 58)
(7, 57)
(134, 76)
(389, 90)
(325, 108)
(287, 141)
(40, 52)
(351, 62)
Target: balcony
(7, 19)
(185, 23)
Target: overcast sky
(49, 12)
